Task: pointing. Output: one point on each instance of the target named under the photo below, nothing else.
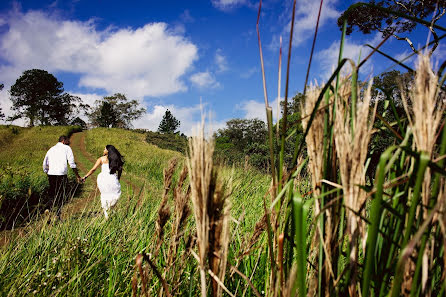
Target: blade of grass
(422, 165)
(375, 218)
(285, 107)
(300, 212)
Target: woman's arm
(96, 165)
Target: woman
(108, 179)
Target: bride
(108, 180)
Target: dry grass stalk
(351, 150)
(145, 276)
(424, 108)
(164, 209)
(315, 137)
(182, 212)
(258, 230)
(218, 236)
(315, 148)
(200, 165)
(210, 208)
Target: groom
(55, 166)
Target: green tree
(115, 112)
(38, 96)
(240, 139)
(77, 121)
(368, 19)
(387, 87)
(169, 124)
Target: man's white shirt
(55, 162)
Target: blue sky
(176, 54)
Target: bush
(168, 141)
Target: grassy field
(84, 255)
(22, 180)
(316, 226)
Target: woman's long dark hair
(115, 160)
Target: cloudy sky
(177, 55)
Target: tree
(38, 96)
(369, 19)
(169, 124)
(241, 138)
(2, 115)
(77, 121)
(115, 112)
(387, 87)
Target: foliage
(387, 87)
(38, 96)
(115, 112)
(169, 124)
(240, 140)
(77, 121)
(294, 126)
(169, 141)
(369, 19)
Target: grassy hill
(23, 184)
(84, 255)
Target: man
(55, 166)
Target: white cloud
(227, 5)
(253, 109)
(220, 61)
(328, 58)
(250, 72)
(146, 61)
(204, 80)
(189, 118)
(186, 17)
(305, 20)
(402, 58)
(439, 56)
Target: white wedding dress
(110, 188)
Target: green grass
(87, 256)
(22, 180)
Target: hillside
(84, 255)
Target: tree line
(39, 97)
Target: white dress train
(109, 187)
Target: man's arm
(46, 166)
(70, 158)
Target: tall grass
(84, 255)
(316, 230)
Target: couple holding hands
(55, 166)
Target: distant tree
(77, 121)
(243, 138)
(369, 19)
(387, 87)
(2, 115)
(38, 96)
(115, 112)
(242, 132)
(294, 126)
(169, 124)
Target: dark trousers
(58, 191)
